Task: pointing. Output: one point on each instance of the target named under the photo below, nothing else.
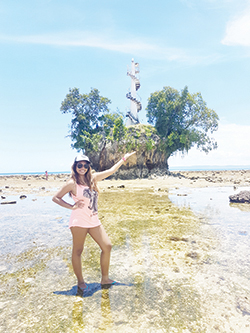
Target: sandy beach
(24, 185)
(180, 250)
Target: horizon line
(188, 168)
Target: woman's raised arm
(98, 176)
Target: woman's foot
(109, 284)
(82, 286)
(105, 282)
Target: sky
(50, 46)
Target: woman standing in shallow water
(84, 218)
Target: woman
(84, 219)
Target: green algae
(152, 240)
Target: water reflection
(107, 320)
(244, 207)
(173, 266)
(229, 264)
(229, 221)
(77, 316)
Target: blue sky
(49, 46)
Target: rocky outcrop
(8, 202)
(148, 160)
(241, 197)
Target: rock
(121, 186)
(241, 197)
(178, 239)
(193, 255)
(23, 197)
(3, 197)
(242, 233)
(243, 305)
(8, 202)
(149, 158)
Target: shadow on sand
(92, 288)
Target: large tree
(182, 120)
(91, 121)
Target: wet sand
(37, 184)
(176, 270)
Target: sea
(32, 173)
(171, 168)
(182, 259)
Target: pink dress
(86, 217)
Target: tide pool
(181, 258)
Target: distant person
(84, 218)
(46, 175)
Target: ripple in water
(177, 271)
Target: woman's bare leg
(79, 235)
(101, 238)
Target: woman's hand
(78, 204)
(127, 155)
(98, 176)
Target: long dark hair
(88, 178)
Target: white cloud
(99, 40)
(128, 45)
(238, 30)
(214, 4)
(233, 149)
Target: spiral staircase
(135, 104)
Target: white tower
(135, 104)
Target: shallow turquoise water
(230, 222)
(177, 272)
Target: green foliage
(93, 124)
(150, 144)
(91, 118)
(119, 131)
(182, 120)
(90, 142)
(139, 136)
(109, 122)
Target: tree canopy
(178, 121)
(91, 121)
(182, 120)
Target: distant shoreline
(211, 168)
(34, 173)
(171, 169)
(38, 185)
